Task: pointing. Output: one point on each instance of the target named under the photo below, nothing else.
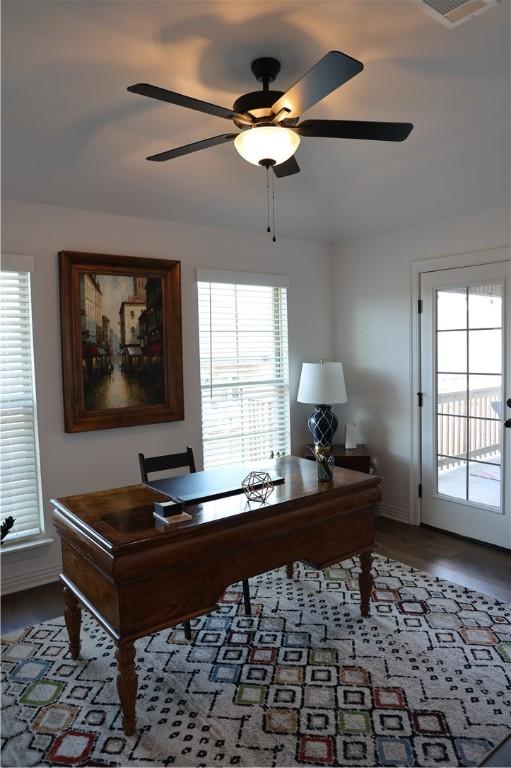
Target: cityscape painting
(121, 340)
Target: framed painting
(120, 322)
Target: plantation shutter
(20, 490)
(243, 366)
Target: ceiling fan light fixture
(267, 144)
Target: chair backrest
(161, 463)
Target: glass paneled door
(466, 381)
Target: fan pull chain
(268, 199)
(274, 238)
(272, 227)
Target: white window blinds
(244, 372)
(20, 490)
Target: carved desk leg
(73, 618)
(127, 683)
(365, 582)
(289, 570)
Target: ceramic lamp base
(323, 424)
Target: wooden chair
(162, 463)
(176, 461)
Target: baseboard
(22, 581)
(394, 513)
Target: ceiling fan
(268, 120)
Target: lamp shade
(267, 142)
(322, 383)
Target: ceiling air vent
(450, 13)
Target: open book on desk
(208, 485)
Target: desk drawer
(166, 598)
(347, 535)
(320, 544)
(100, 594)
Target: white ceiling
(73, 135)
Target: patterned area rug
(425, 681)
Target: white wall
(372, 285)
(76, 463)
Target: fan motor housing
(259, 104)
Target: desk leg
(246, 598)
(127, 683)
(365, 582)
(289, 570)
(73, 618)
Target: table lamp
(322, 384)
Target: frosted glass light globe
(267, 142)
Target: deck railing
(484, 428)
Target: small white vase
(351, 436)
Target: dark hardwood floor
(483, 568)
(476, 566)
(23, 609)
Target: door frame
(419, 267)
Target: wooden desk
(138, 576)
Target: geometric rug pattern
(424, 681)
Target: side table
(350, 458)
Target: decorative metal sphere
(257, 486)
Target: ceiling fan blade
(162, 94)
(354, 129)
(329, 73)
(287, 168)
(170, 154)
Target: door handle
(507, 423)
(508, 402)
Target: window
(244, 367)
(20, 486)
